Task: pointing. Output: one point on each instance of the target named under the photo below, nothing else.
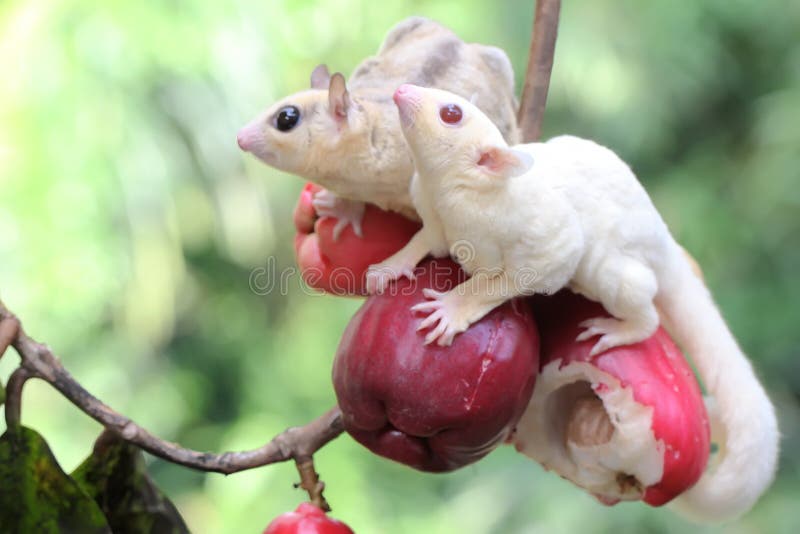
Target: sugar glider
(346, 137)
(538, 217)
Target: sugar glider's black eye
(287, 118)
(450, 114)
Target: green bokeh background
(130, 224)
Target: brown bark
(540, 65)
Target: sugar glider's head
(448, 134)
(302, 132)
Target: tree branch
(540, 65)
(9, 327)
(297, 443)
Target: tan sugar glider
(569, 213)
(348, 139)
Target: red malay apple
(306, 519)
(338, 267)
(433, 408)
(626, 424)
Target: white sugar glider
(569, 213)
(348, 139)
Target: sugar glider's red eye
(450, 114)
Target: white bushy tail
(743, 415)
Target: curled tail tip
(744, 425)
(702, 516)
(700, 509)
(743, 418)
(736, 485)
(707, 503)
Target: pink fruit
(433, 408)
(306, 519)
(338, 267)
(627, 424)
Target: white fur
(579, 218)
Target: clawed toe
(356, 224)
(444, 314)
(587, 334)
(430, 320)
(432, 293)
(444, 332)
(322, 205)
(408, 273)
(436, 332)
(607, 328)
(612, 332)
(379, 276)
(346, 212)
(597, 326)
(446, 339)
(602, 345)
(427, 306)
(342, 223)
(339, 227)
(377, 280)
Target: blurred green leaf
(115, 476)
(36, 495)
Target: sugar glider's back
(425, 53)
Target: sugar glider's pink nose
(403, 93)
(408, 99)
(248, 136)
(241, 139)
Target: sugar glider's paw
(445, 313)
(380, 275)
(612, 332)
(346, 212)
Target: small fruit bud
(306, 519)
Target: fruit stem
(309, 481)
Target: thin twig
(14, 395)
(297, 443)
(540, 65)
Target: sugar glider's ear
(504, 162)
(338, 97)
(320, 77)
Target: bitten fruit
(338, 267)
(433, 408)
(626, 424)
(306, 519)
